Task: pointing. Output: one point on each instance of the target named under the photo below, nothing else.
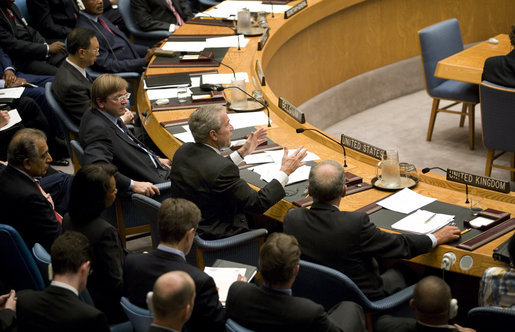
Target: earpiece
(453, 309)
(149, 301)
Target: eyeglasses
(95, 50)
(124, 97)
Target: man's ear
(26, 164)
(212, 135)
(100, 103)
(344, 190)
(412, 305)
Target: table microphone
(427, 169)
(218, 87)
(301, 130)
(221, 63)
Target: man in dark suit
(177, 221)
(8, 311)
(28, 49)
(160, 14)
(348, 241)
(172, 301)
(201, 175)
(54, 19)
(433, 307)
(117, 53)
(30, 209)
(272, 307)
(501, 69)
(58, 307)
(106, 139)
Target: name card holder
(362, 147)
(264, 38)
(487, 219)
(295, 9)
(260, 73)
(478, 181)
(291, 110)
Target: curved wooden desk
(320, 15)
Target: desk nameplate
(362, 147)
(291, 110)
(478, 181)
(295, 9)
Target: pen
(428, 220)
(465, 231)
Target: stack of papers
(199, 46)
(14, 118)
(423, 222)
(224, 277)
(230, 9)
(405, 201)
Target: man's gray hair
(325, 188)
(203, 120)
(23, 145)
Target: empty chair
(438, 42)
(232, 326)
(328, 287)
(497, 114)
(139, 317)
(491, 319)
(19, 270)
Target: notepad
(423, 222)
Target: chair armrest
(394, 300)
(231, 241)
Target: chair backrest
(148, 208)
(491, 319)
(64, 119)
(19, 270)
(139, 317)
(437, 42)
(232, 326)
(22, 6)
(497, 116)
(43, 260)
(78, 150)
(141, 37)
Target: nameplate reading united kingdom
(478, 181)
(362, 147)
(260, 74)
(264, 37)
(291, 110)
(295, 9)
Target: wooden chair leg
(121, 222)
(512, 166)
(432, 118)
(463, 114)
(489, 161)
(472, 124)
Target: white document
(227, 41)
(185, 137)
(223, 78)
(11, 92)
(423, 222)
(154, 94)
(190, 46)
(481, 221)
(14, 118)
(277, 155)
(405, 201)
(247, 119)
(258, 158)
(267, 172)
(224, 277)
(229, 9)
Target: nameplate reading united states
(291, 110)
(295, 9)
(264, 37)
(260, 74)
(362, 147)
(478, 181)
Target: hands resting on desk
(447, 234)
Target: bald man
(172, 301)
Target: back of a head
(326, 181)
(88, 191)
(104, 85)
(172, 292)
(431, 298)
(175, 217)
(79, 38)
(23, 145)
(203, 120)
(278, 258)
(68, 252)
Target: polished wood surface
(283, 126)
(467, 65)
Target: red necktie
(104, 24)
(10, 14)
(57, 215)
(178, 17)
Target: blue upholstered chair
(437, 42)
(328, 287)
(19, 269)
(485, 319)
(139, 317)
(241, 248)
(43, 260)
(497, 117)
(147, 38)
(22, 6)
(232, 326)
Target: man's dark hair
(324, 188)
(69, 251)
(79, 38)
(175, 217)
(23, 145)
(278, 257)
(88, 191)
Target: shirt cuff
(433, 240)
(47, 50)
(11, 68)
(131, 186)
(236, 157)
(282, 178)
(2, 84)
(171, 28)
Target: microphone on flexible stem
(427, 169)
(216, 87)
(301, 130)
(221, 63)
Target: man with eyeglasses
(72, 85)
(106, 139)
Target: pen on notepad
(428, 220)
(465, 231)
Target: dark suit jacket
(72, 90)
(54, 19)
(104, 142)
(19, 43)
(387, 323)
(105, 284)
(157, 15)
(213, 183)
(349, 242)
(263, 309)
(27, 210)
(7, 320)
(500, 70)
(57, 309)
(157, 329)
(142, 270)
(117, 53)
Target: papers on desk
(184, 46)
(405, 201)
(227, 41)
(247, 119)
(155, 94)
(223, 78)
(224, 277)
(14, 118)
(199, 46)
(13, 93)
(423, 222)
(229, 9)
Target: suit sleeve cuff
(236, 158)
(282, 178)
(434, 243)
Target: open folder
(422, 222)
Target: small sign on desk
(478, 181)
(295, 9)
